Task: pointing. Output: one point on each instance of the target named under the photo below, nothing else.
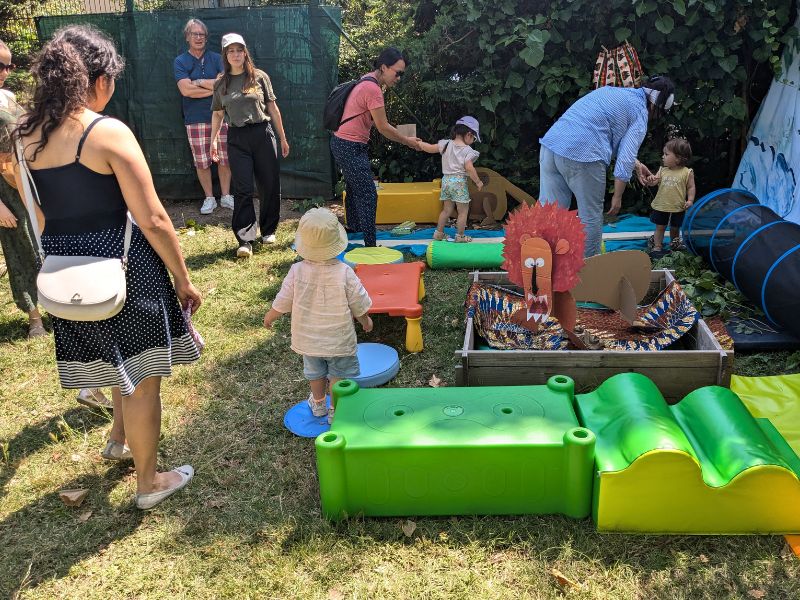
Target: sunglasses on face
(396, 72)
(7, 67)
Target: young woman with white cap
(577, 150)
(244, 98)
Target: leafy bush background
(516, 65)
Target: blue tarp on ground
(625, 223)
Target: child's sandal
(438, 235)
(462, 239)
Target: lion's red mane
(551, 223)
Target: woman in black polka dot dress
(89, 172)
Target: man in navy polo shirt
(196, 70)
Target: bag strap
(85, 133)
(363, 79)
(29, 193)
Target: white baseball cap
(232, 38)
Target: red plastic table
(396, 290)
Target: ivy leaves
(533, 53)
(665, 24)
(710, 294)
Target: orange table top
(394, 289)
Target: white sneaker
(244, 251)
(209, 204)
(226, 201)
(319, 408)
(269, 239)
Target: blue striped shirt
(607, 122)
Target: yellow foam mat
(778, 399)
(775, 398)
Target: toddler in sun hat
(323, 294)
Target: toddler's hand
(267, 321)
(479, 185)
(687, 205)
(366, 323)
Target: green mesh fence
(298, 47)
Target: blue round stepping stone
(379, 364)
(300, 421)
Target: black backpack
(334, 105)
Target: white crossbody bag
(77, 288)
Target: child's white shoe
(319, 408)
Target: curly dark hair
(65, 71)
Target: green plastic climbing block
(455, 451)
(702, 466)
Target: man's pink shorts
(200, 141)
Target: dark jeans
(362, 197)
(252, 150)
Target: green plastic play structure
(446, 451)
(448, 255)
(702, 466)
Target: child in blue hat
(457, 164)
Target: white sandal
(116, 451)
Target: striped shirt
(607, 122)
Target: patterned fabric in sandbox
(666, 320)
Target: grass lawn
(249, 524)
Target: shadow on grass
(33, 438)
(16, 330)
(45, 538)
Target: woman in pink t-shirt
(363, 109)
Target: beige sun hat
(319, 235)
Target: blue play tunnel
(752, 247)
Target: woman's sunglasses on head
(7, 67)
